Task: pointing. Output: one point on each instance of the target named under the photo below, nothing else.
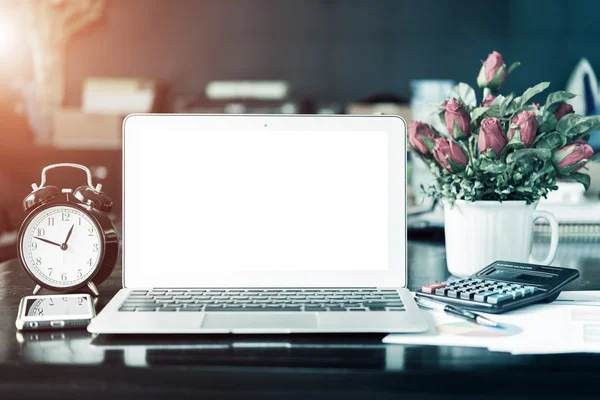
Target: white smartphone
(61, 311)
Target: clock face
(61, 246)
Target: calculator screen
(511, 275)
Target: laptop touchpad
(253, 321)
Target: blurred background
(70, 70)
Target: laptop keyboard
(244, 300)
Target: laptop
(272, 224)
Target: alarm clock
(67, 240)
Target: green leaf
(548, 167)
(465, 94)
(456, 167)
(492, 166)
(579, 177)
(532, 91)
(554, 100)
(595, 157)
(551, 141)
(429, 143)
(458, 134)
(495, 109)
(512, 67)
(540, 154)
(478, 112)
(546, 122)
(500, 106)
(567, 122)
(575, 125)
(517, 135)
(595, 122)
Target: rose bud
(417, 130)
(454, 111)
(445, 149)
(572, 154)
(491, 136)
(493, 72)
(487, 102)
(562, 110)
(536, 105)
(527, 127)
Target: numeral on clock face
(66, 217)
(51, 221)
(41, 232)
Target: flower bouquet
(493, 163)
(505, 147)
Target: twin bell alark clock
(66, 240)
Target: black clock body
(110, 248)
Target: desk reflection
(291, 352)
(78, 347)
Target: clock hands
(62, 246)
(69, 234)
(47, 241)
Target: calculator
(502, 286)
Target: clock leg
(37, 289)
(93, 288)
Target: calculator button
(467, 295)
(481, 297)
(441, 291)
(499, 298)
(516, 294)
(529, 289)
(432, 288)
(453, 293)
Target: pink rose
(446, 149)
(487, 102)
(572, 154)
(454, 111)
(491, 136)
(527, 127)
(562, 110)
(493, 63)
(493, 72)
(417, 130)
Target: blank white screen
(226, 201)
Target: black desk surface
(65, 364)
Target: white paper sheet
(559, 327)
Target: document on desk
(559, 327)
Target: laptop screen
(206, 202)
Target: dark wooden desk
(62, 364)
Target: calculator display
(512, 275)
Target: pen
(457, 312)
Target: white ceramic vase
(481, 232)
